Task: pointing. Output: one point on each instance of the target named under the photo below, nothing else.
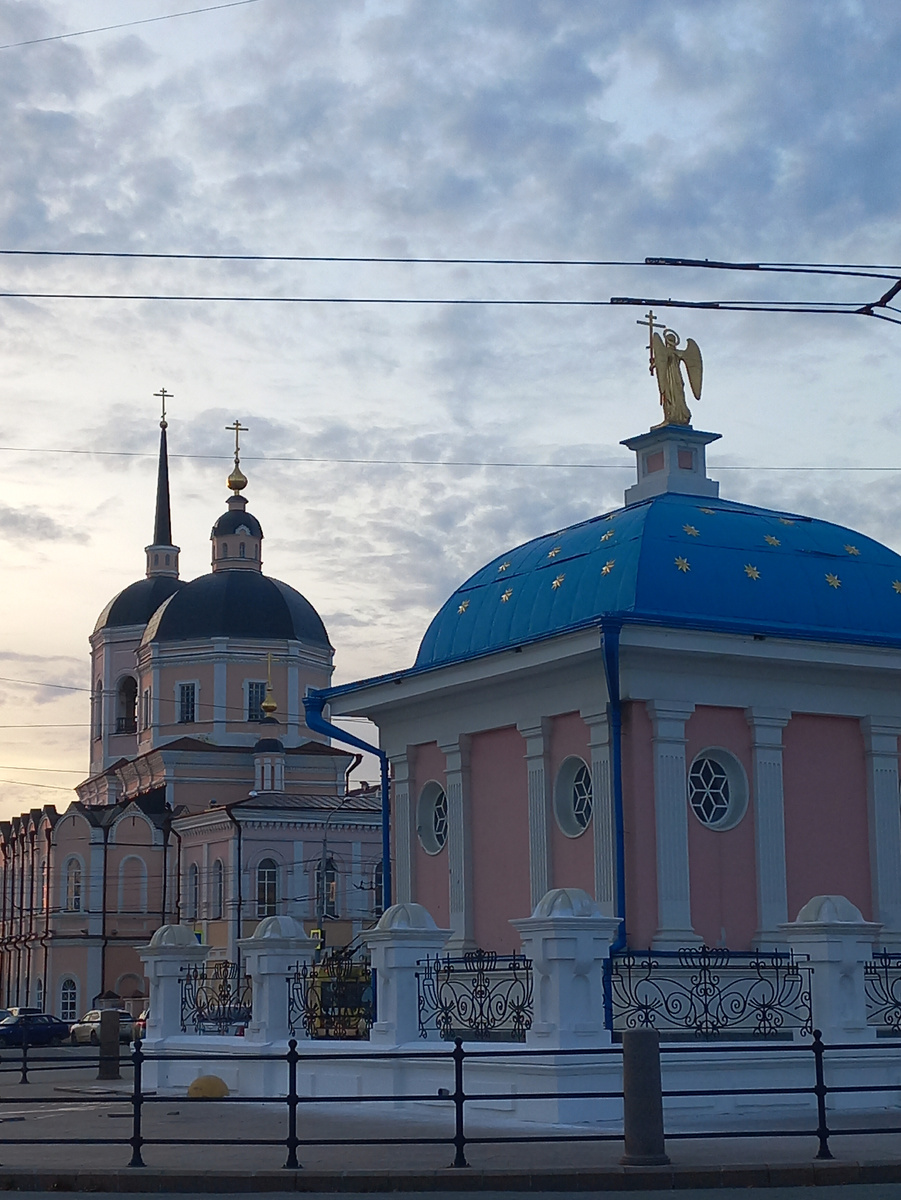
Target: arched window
(193, 897)
(267, 888)
(72, 886)
(225, 549)
(97, 709)
(156, 560)
(241, 551)
(218, 890)
(327, 889)
(68, 999)
(126, 705)
(39, 994)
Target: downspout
(314, 703)
(239, 873)
(46, 885)
(610, 631)
(6, 936)
(177, 876)
(29, 950)
(164, 889)
(103, 906)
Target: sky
(739, 130)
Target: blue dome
(680, 561)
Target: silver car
(87, 1030)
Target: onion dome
(237, 536)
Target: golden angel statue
(666, 360)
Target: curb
(612, 1179)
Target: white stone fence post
(405, 934)
(277, 945)
(171, 951)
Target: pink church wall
(639, 826)
(500, 837)
(722, 862)
(572, 859)
(826, 839)
(430, 871)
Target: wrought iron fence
(480, 996)
(333, 998)
(215, 998)
(707, 993)
(882, 987)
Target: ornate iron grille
(480, 996)
(215, 998)
(882, 987)
(705, 993)
(332, 998)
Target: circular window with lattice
(572, 797)
(717, 789)
(431, 817)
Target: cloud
(29, 524)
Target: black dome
(268, 746)
(237, 604)
(231, 521)
(137, 603)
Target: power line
(58, 37)
(330, 258)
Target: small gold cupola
(237, 536)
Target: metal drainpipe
(177, 836)
(314, 704)
(164, 886)
(103, 937)
(610, 631)
(47, 884)
(29, 945)
(239, 871)
(4, 849)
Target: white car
(88, 1028)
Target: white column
(539, 786)
(884, 813)
(404, 935)
(602, 822)
(401, 767)
(277, 946)
(674, 928)
(459, 844)
(170, 952)
(220, 698)
(769, 823)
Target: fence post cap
(406, 916)
(829, 910)
(278, 928)
(169, 937)
(567, 902)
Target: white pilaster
(674, 928)
(603, 825)
(403, 827)
(884, 818)
(220, 698)
(459, 844)
(769, 823)
(535, 736)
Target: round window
(717, 789)
(572, 797)
(431, 818)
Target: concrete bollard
(109, 1045)
(642, 1100)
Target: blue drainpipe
(610, 631)
(314, 704)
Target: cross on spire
(162, 395)
(238, 430)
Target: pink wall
(722, 862)
(430, 871)
(639, 826)
(500, 837)
(572, 859)
(826, 839)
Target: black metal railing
(126, 725)
(708, 993)
(215, 998)
(333, 998)
(882, 987)
(480, 996)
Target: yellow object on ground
(208, 1087)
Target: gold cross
(239, 429)
(649, 321)
(162, 395)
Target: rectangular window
(256, 694)
(187, 694)
(145, 709)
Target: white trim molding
(535, 737)
(767, 725)
(459, 844)
(884, 820)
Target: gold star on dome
(833, 580)
(553, 553)
(896, 584)
(503, 566)
(785, 521)
(682, 564)
(463, 606)
(751, 572)
(690, 530)
(852, 550)
(709, 511)
(608, 535)
(772, 541)
(557, 582)
(506, 595)
(608, 566)
(609, 516)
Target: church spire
(162, 556)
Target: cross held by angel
(666, 363)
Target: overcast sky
(722, 129)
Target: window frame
(181, 693)
(68, 998)
(73, 896)
(267, 901)
(432, 824)
(573, 772)
(738, 791)
(254, 687)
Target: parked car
(88, 1028)
(38, 1029)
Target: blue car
(38, 1029)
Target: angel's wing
(658, 350)
(691, 356)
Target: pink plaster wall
(639, 825)
(430, 871)
(572, 859)
(826, 838)
(500, 837)
(722, 863)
